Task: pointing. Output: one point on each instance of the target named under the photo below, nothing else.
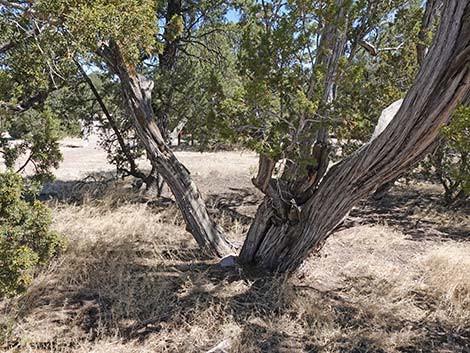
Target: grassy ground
(395, 278)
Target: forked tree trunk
(137, 91)
(441, 84)
(289, 191)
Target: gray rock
(228, 261)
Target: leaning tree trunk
(137, 92)
(441, 84)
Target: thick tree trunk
(137, 91)
(440, 86)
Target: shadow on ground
(119, 289)
(237, 204)
(417, 212)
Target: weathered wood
(266, 166)
(386, 117)
(137, 91)
(442, 83)
(173, 137)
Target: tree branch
(112, 122)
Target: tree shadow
(239, 204)
(416, 212)
(94, 186)
(138, 293)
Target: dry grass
(446, 277)
(132, 280)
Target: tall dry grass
(133, 280)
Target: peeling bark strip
(442, 83)
(137, 90)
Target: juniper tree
(304, 205)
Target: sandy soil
(214, 172)
(83, 157)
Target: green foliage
(25, 237)
(457, 133)
(89, 24)
(174, 28)
(285, 49)
(38, 133)
(203, 84)
(371, 83)
(450, 163)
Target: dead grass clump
(446, 277)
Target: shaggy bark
(285, 196)
(137, 91)
(443, 81)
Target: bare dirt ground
(394, 278)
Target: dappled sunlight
(133, 280)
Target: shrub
(26, 240)
(450, 163)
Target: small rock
(228, 261)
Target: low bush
(26, 240)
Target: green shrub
(450, 163)
(26, 240)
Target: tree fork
(442, 83)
